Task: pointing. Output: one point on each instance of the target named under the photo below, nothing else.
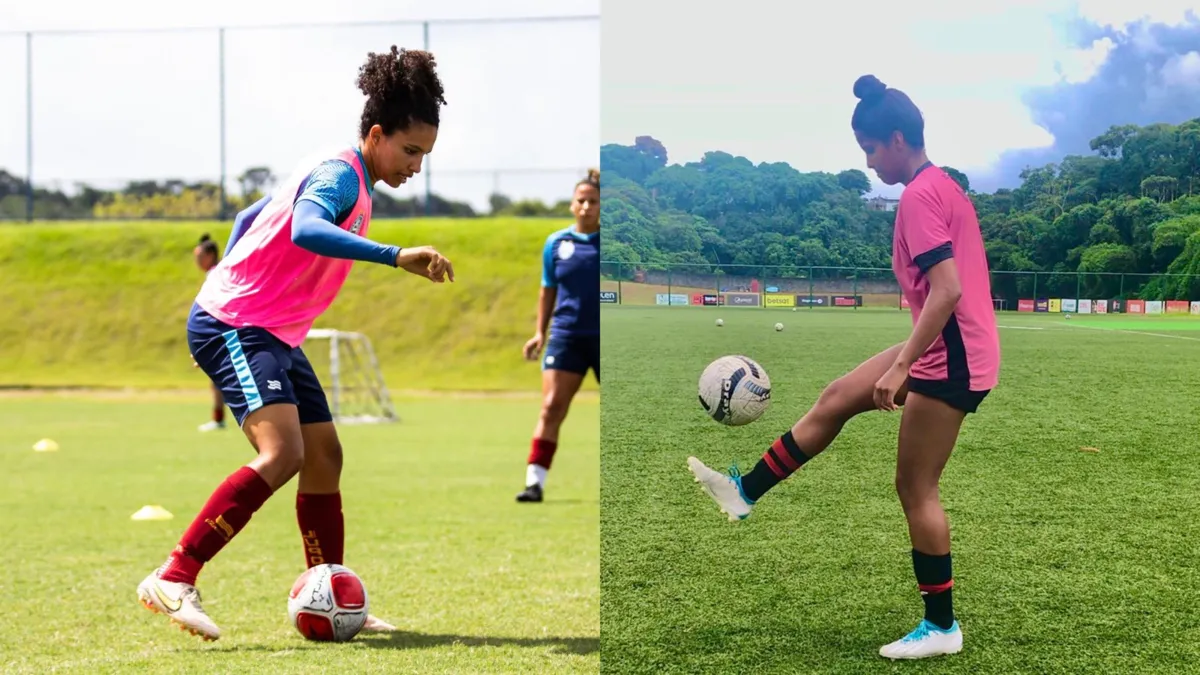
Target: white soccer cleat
(376, 625)
(726, 490)
(925, 641)
(211, 426)
(180, 603)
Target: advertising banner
(775, 300)
(742, 299)
(812, 300)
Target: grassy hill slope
(105, 304)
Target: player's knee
(330, 456)
(911, 491)
(554, 407)
(837, 399)
(286, 458)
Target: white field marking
(1138, 332)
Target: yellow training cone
(45, 445)
(152, 512)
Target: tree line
(182, 200)
(1130, 207)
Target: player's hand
(425, 261)
(533, 347)
(888, 386)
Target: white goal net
(346, 364)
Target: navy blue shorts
(573, 354)
(253, 368)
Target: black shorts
(573, 354)
(954, 394)
(253, 368)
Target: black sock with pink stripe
(781, 460)
(936, 582)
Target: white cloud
(773, 83)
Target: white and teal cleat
(925, 641)
(725, 489)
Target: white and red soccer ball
(328, 603)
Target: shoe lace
(734, 472)
(919, 633)
(193, 595)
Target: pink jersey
(936, 221)
(269, 282)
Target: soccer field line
(1137, 332)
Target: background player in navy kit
(207, 255)
(569, 304)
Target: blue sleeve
(313, 229)
(243, 221)
(333, 185)
(548, 280)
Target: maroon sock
(541, 452)
(219, 414)
(223, 516)
(322, 528)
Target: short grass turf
(475, 582)
(1073, 496)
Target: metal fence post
(29, 127)
(428, 162)
(221, 208)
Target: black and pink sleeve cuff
(934, 256)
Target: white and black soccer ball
(735, 390)
(328, 603)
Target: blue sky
(523, 100)
(1000, 84)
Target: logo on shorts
(274, 385)
(566, 249)
(357, 224)
(549, 360)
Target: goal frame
(374, 376)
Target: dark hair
(402, 86)
(207, 244)
(593, 179)
(882, 111)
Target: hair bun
(205, 237)
(868, 87)
(593, 176)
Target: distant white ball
(1068, 316)
(778, 326)
(735, 390)
(720, 322)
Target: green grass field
(105, 304)
(1067, 560)
(475, 582)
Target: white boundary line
(1138, 332)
